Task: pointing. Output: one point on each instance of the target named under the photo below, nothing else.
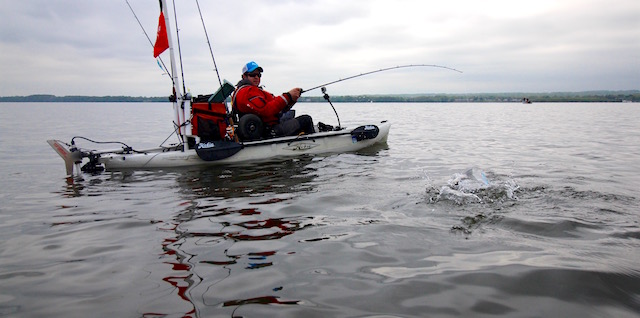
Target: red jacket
(249, 99)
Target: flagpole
(178, 103)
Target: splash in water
(473, 186)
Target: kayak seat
(250, 127)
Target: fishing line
(209, 43)
(164, 67)
(380, 70)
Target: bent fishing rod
(377, 71)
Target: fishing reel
(324, 93)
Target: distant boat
(526, 100)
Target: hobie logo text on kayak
(206, 145)
(301, 146)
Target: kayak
(221, 151)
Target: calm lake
(470, 210)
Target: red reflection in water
(286, 227)
(181, 276)
(270, 201)
(248, 212)
(179, 266)
(181, 282)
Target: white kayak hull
(284, 147)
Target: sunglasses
(254, 75)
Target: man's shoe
(324, 127)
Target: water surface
(402, 230)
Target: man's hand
(295, 93)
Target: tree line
(564, 97)
(42, 98)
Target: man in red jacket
(250, 98)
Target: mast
(178, 103)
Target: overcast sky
(96, 47)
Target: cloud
(96, 47)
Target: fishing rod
(209, 42)
(380, 70)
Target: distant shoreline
(564, 97)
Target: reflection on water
(278, 177)
(243, 241)
(211, 241)
(231, 222)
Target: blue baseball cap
(250, 67)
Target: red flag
(162, 41)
